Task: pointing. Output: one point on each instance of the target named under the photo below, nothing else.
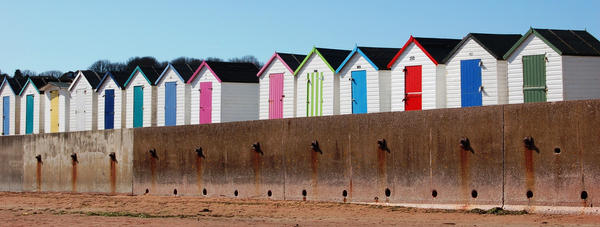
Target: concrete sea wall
(541, 157)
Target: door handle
(481, 88)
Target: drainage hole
(388, 192)
(344, 193)
(584, 195)
(434, 193)
(269, 193)
(147, 191)
(529, 194)
(235, 193)
(204, 192)
(303, 192)
(474, 193)
(175, 191)
(557, 150)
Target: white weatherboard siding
(289, 90)
(139, 80)
(239, 102)
(171, 76)
(83, 106)
(37, 108)
(14, 109)
(490, 74)
(329, 80)
(107, 85)
(429, 80)
(581, 77)
(502, 68)
(63, 109)
(534, 46)
(378, 86)
(205, 75)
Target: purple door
(276, 96)
(205, 102)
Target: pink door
(205, 102)
(276, 96)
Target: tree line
(103, 66)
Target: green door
(314, 94)
(138, 106)
(534, 78)
(29, 115)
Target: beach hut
(111, 100)
(365, 80)
(174, 95)
(317, 84)
(33, 105)
(277, 86)
(419, 73)
(476, 70)
(224, 92)
(141, 97)
(553, 65)
(84, 101)
(56, 99)
(10, 104)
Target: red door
(413, 96)
(205, 102)
(276, 96)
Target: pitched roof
(92, 78)
(290, 61)
(436, 49)
(41, 81)
(564, 42)
(495, 44)
(334, 57)
(230, 71)
(149, 72)
(15, 84)
(378, 57)
(120, 77)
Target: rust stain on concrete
(314, 156)
(529, 171)
(73, 176)
(38, 174)
(199, 173)
(465, 174)
(113, 177)
(381, 170)
(257, 167)
(153, 172)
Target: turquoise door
(359, 92)
(138, 106)
(5, 115)
(29, 115)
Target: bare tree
(144, 61)
(28, 72)
(52, 73)
(247, 59)
(186, 60)
(214, 59)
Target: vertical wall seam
(503, 156)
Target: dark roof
(92, 77)
(120, 77)
(15, 84)
(571, 42)
(438, 48)
(151, 73)
(334, 57)
(40, 81)
(379, 56)
(234, 72)
(292, 60)
(496, 44)
(186, 70)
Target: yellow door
(53, 111)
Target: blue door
(359, 92)
(109, 109)
(470, 83)
(5, 115)
(170, 103)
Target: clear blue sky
(70, 35)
